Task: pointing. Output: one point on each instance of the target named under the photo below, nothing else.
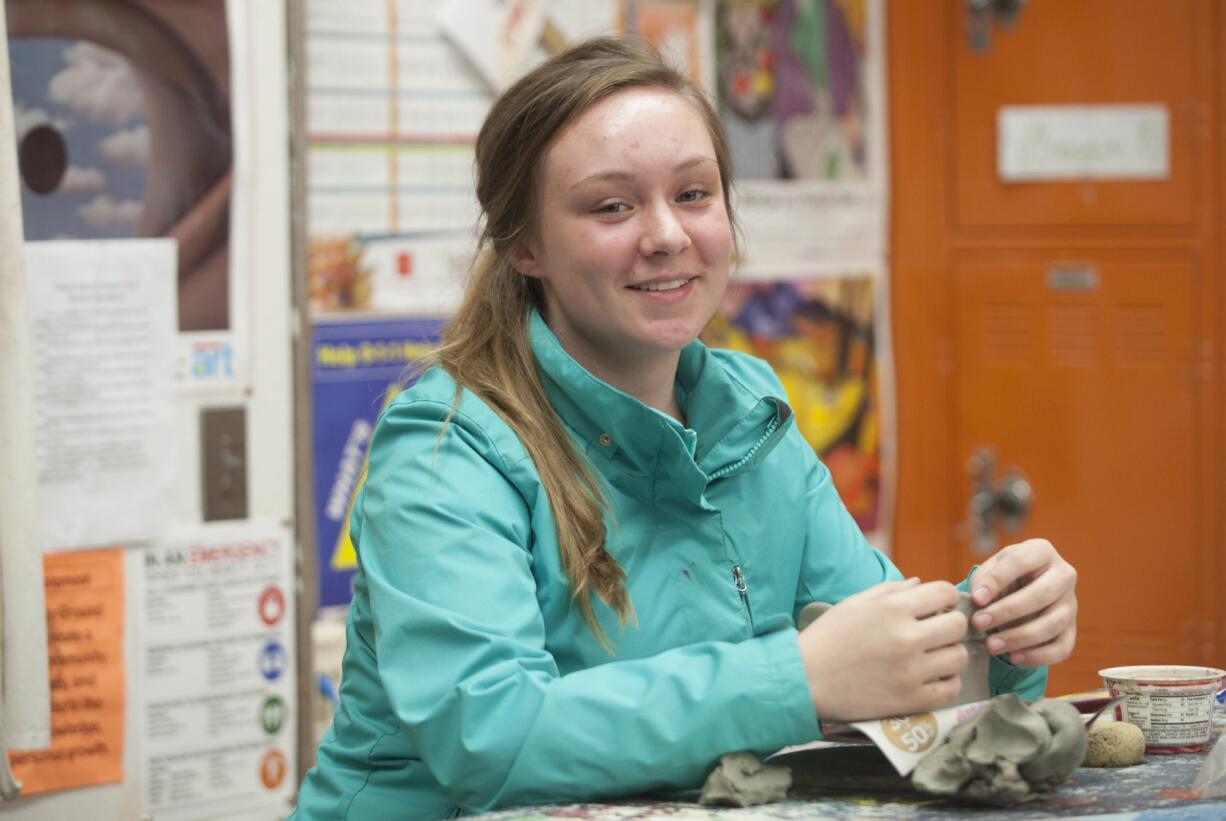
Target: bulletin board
(172, 638)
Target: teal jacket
(471, 682)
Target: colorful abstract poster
(123, 130)
(356, 368)
(801, 97)
(818, 335)
(792, 89)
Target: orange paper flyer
(85, 609)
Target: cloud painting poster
(122, 113)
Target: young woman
(584, 537)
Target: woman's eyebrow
(693, 161)
(623, 176)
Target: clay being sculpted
(974, 675)
(741, 780)
(1007, 754)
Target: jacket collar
(726, 419)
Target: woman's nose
(663, 232)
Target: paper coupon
(906, 740)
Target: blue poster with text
(356, 368)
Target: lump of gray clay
(1114, 744)
(741, 780)
(1007, 754)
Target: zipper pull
(742, 589)
(738, 578)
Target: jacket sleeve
(839, 562)
(446, 549)
(1004, 677)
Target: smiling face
(631, 241)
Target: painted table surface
(856, 782)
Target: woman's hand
(893, 649)
(1027, 593)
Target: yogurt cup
(1173, 705)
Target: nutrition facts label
(1170, 718)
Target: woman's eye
(611, 208)
(693, 195)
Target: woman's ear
(523, 258)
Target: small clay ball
(1114, 744)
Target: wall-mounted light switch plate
(223, 461)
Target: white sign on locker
(1071, 142)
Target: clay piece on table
(1009, 753)
(742, 780)
(1114, 744)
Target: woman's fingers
(929, 598)
(885, 588)
(1053, 652)
(1042, 628)
(943, 662)
(1024, 579)
(940, 630)
(1041, 593)
(1009, 565)
(1046, 626)
(897, 647)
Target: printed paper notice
(85, 605)
(102, 324)
(218, 658)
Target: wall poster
(124, 129)
(85, 637)
(819, 336)
(357, 367)
(801, 98)
(217, 666)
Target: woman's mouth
(663, 285)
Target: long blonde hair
(485, 346)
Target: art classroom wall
(203, 598)
(394, 95)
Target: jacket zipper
(726, 469)
(742, 589)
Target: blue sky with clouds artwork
(90, 95)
